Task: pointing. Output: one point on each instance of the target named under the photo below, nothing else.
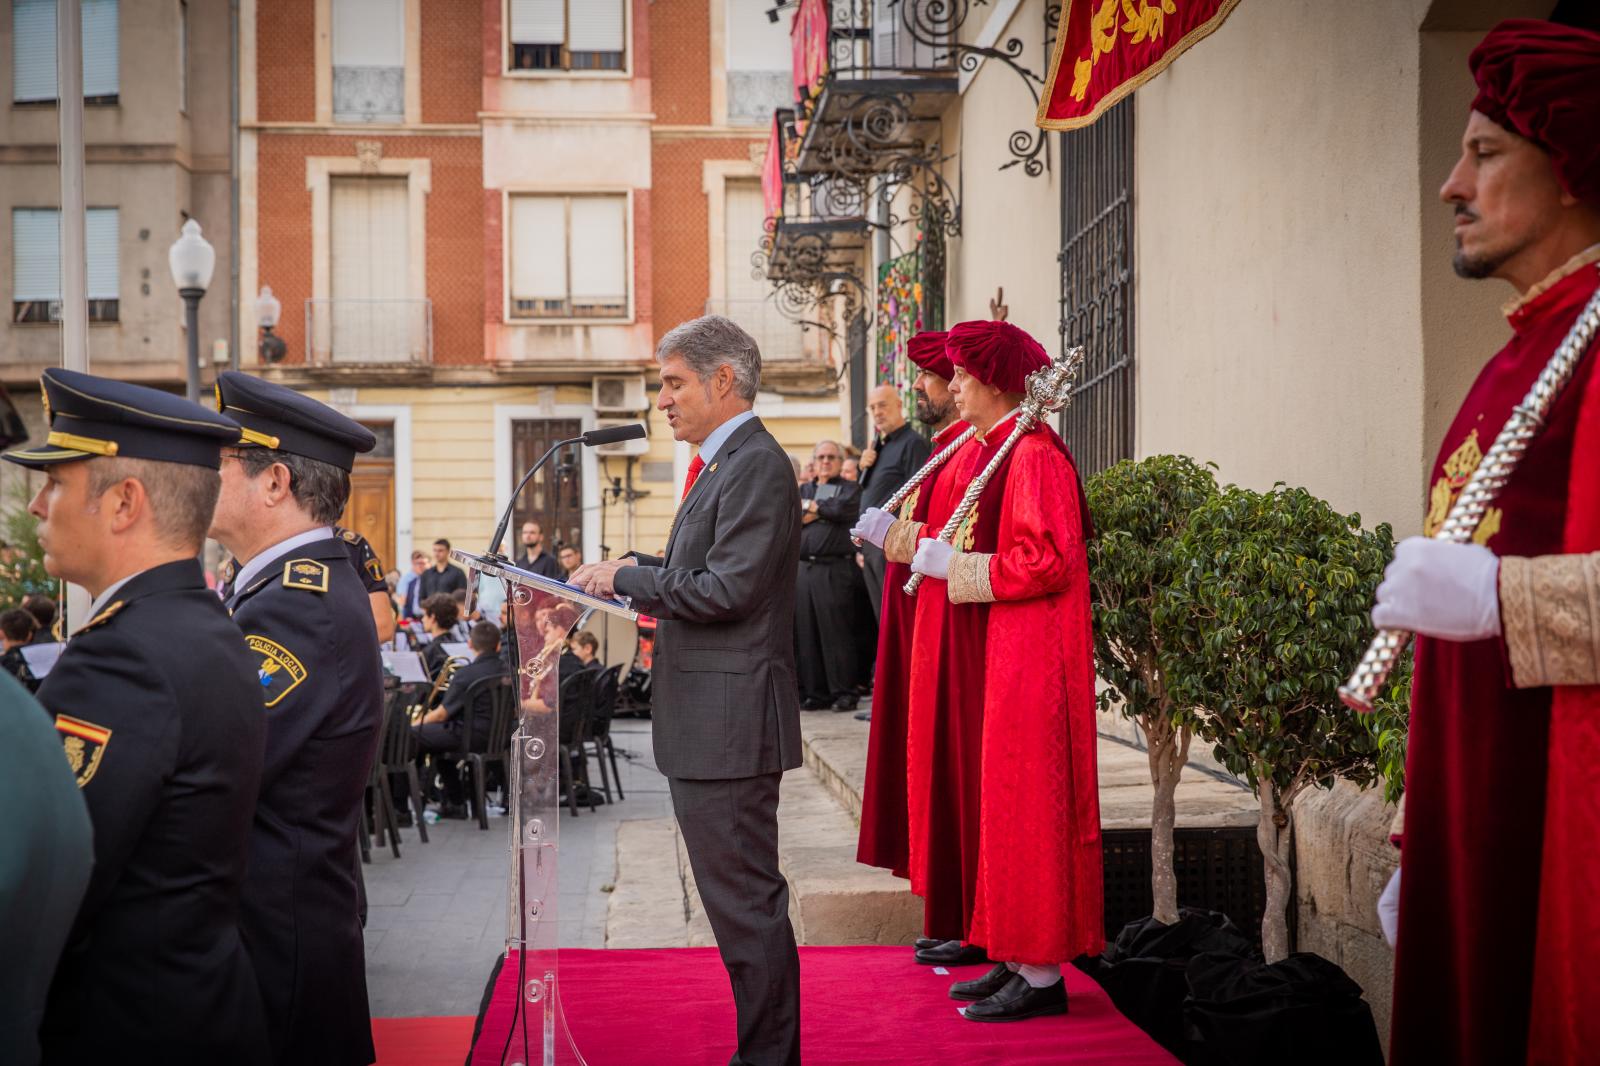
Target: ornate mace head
(1049, 388)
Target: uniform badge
(375, 568)
(350, 536)
(280, 672)
(307, 574)
(84, 744)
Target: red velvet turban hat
(996, 353)
(1541, 80)
(926, 349)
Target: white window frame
(57, 298)
(111, 99)
(506, 235)
(508, 52)
(322, 64)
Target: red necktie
(696, 465)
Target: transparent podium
(529, 1029)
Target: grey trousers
(730, 829)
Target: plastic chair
(397, 754)
(501, 692)
(600, 746)
(577, 705)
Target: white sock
(1039, 976)
(1013, 966)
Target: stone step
(835, 748)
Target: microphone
(608, 435)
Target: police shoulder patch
(375, 568)
(307, 574)
(84, 744)
(350, 536)
(280, 673)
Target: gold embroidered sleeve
(969, 578)
(900, 543)
(1550, 614)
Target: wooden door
(554, 498)
(370, 510)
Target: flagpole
(73, 258)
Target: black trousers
(443, 739)
(730, 830)
(828, 628)
(873, 562)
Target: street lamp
(271, 348)
(192, 260)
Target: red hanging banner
(1105, 49)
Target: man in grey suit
(726, 715)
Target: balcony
(360, 334)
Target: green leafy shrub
(1266, 616)
(22, 560)
(1139, 509)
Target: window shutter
(101, 50)
(744, 225)
(33, 50)
(538, 248)
(596, 26)
(599, 249)
(538, 21)
(100, 243)
(35, 254)
(369, 33)
(368, 241)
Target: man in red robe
(884, 831)
(1018, 566)
(1498, 929)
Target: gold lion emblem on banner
(1458, 469)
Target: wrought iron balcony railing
(780, 338)
(365, 333)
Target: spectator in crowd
(409, 592)
(16, 629)
(439, 617)
(851, 471)
(897, 452)
(570, 559)
(808, 472)
(44, 612)
(533, 556)
(441, 732)
(585, 647)
(443, 575)
(464, 617)
(828, 613)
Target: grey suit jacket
(725, 702)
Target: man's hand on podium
(596, 578)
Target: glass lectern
(542, 612)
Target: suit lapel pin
(712, 469)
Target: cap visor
(38, 458)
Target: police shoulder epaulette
(350, 536)
(306, 574)
(103, 617)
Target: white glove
(932, 558)
(1389, 909)
(1440, 589)
(873, 526)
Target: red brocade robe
(1480, 759)
(1034, 893)
(884, 839)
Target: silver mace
(892, 504)
(1527, 419)
(1048, 390)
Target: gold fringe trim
(1550, 615)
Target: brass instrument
(1527, 419)
(440, 683)
(1049, 389)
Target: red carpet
(422, 1041)
(859, 1005)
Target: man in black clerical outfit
(897, 452)
(829, 621)
(442, 730)
(534, 557)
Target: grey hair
(321, 488)
(182, 495)
(711, 341)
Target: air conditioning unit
(619, 395)
(624, 447)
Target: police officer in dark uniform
(159, 714)
(367, 566)
(307, 619)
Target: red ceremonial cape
(1565, 1025)
(884, 827)
(944, 721)
(1040, 882)
(1477, 754)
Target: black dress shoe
(846, 703)
(455, 811)
(813, 704)
(863, 716)
(952, 953)
(926, 942)
(1018, 1000)
(980, 988)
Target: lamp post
(192, 260)
(271, 347)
